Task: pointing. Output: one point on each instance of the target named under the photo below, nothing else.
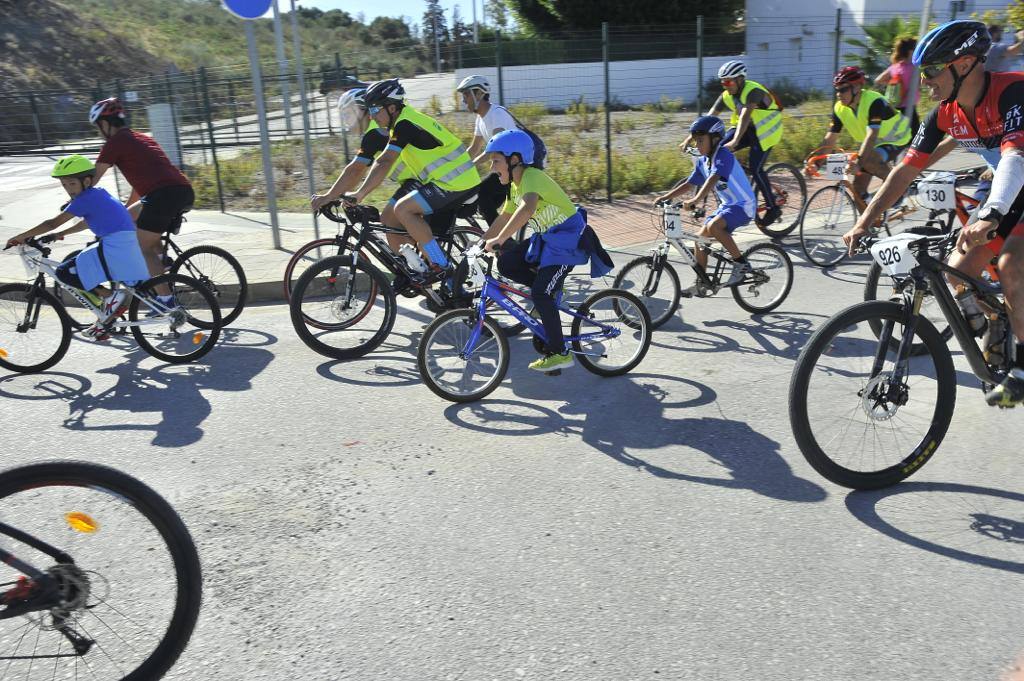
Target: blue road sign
(247, 9)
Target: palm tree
(880, 38)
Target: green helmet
(75, 165)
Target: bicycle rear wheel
(306, 255)
(767, 286)
(131, 581)
(611, 332)
(340, 311)
(875, 290)
(221, 273)
(855, 425)
(659, 291)
(34, 331)
(446, 367)
(790, 191)
(829, 213)
(181, 333)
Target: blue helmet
(707, 125)
(510, 142)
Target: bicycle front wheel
(874, 289)
(857, 419)
(829, 213)
(34, 331)
(182, 332)
(127, 572)
(454, 370)
(341, 311)
(790, 192)
(659, 291)
(221, 273)
(611, 332)
(767, 286)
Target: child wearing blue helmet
(717, 170)
(561, 238)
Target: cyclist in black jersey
(984, 112)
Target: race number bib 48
(835, 166)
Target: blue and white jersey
(733, 188)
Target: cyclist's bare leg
(718, 229)
(1011, 274)
(973, 262)
(410, 213)
(153, 252)
(389, 219)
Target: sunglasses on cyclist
(932, 71)
(843, 89)
(374, 110)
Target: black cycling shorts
(162, 208)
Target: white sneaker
(114, 305)
(739, 270)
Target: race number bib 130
(894, 255)
(936, 191)
(835, 166)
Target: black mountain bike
(868, 412)
(99, 577)
(219, 271)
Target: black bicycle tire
(226, 317)
(800, 422)
(583, 311)
(648, 262)
(755, 309)
(871, 293)
(803, 215)
(65, 341)
(182, 548)
(289, 269)
(299, 319)
(212, 329)
(421, 357)
(794, 172)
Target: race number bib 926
(894, 256)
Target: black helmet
(951, 40)
(383, 92)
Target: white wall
(631, 82)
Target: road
(661, 525)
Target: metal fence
(611, 105)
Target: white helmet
(474, 82)
(732, 69)
(350, 107)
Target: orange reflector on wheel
(197, 338)
(80, 522)
(3, 354)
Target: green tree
(390, 28)
(875, 49)
(433, 19)
(497, 13)
(546, 16)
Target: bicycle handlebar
(355, 213)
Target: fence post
(234, 108)
(607, 111)
(839, 36)
(497, 63)
(301, 73)
(35, 118)
(193, 117)
(344, 135)
(174, 117)
(700, 64)
(213, 139)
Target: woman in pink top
(896, 78)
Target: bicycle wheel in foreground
(767, 286)
(220, 272)
(860, 427)
(340, 313)
(127, 576)
(34, 331)
(829, 213)
(616, 330)
(449, 370)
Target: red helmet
(849, 75)
(106, 107)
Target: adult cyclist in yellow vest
(756, 123)
(443, 174)
(882, 131)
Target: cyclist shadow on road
(175, 392)
(778, 334)
(392, 365)
(622, 415)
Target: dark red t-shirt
(143, 162)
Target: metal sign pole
(261, 114)
(305, 111)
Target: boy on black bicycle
(561, 238)
(116, 256)
(717, 170)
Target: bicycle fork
(896, 391)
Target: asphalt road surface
(661, 525)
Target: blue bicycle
(464, 353)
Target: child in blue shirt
(116, 256)
(718, 170)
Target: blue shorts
(735, 217)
